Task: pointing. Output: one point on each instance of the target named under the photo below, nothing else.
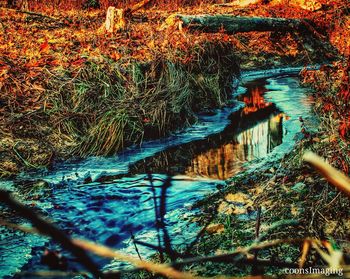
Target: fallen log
(30, 13)
(233, 24)
(309, 5)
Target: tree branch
(49, 229)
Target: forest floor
(288, 199)
(61, 81)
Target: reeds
(102, 108)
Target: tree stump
(115, 20)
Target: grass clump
(98, 106)
(101, 108)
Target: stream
(108, 199)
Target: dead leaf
(45, 47)
(215, 228)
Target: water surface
(107, 199)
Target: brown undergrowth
(105, 106)
(68, 90)
(295, 201)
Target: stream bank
(254, 131)
(286, 199)
(102, 107)
(98, 95)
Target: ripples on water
(119, 200)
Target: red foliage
(344, 91)
(344, 128)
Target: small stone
(215, 228)
(309, 180)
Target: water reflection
(254, 100)
(254, 132)
(225, 161)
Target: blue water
(118, 199)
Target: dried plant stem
(306, 249)
(49, 229)
(106, 252)
(162, 269)
(149, 266)
(334, 176)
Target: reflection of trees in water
(225, 161)
(255, 142)
(221, 156)
(276, 131)
(254, 100)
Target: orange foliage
(33, 48)
(333, 98)
(79, 4)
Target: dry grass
(67, 86)
(105, 108)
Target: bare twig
(162, 212)
(334, 176)
(334, 258)
(168, 271)
(149, 245)
(49, 229)
(157, 248)
(18, 227)
(107, 252)
(258, 222)
(230, 257)
(236, 261)
(201, 232)
(31, 13)
(255, 269)
(306, 249)
(134, 242)
(156, 213)
(149, 266)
